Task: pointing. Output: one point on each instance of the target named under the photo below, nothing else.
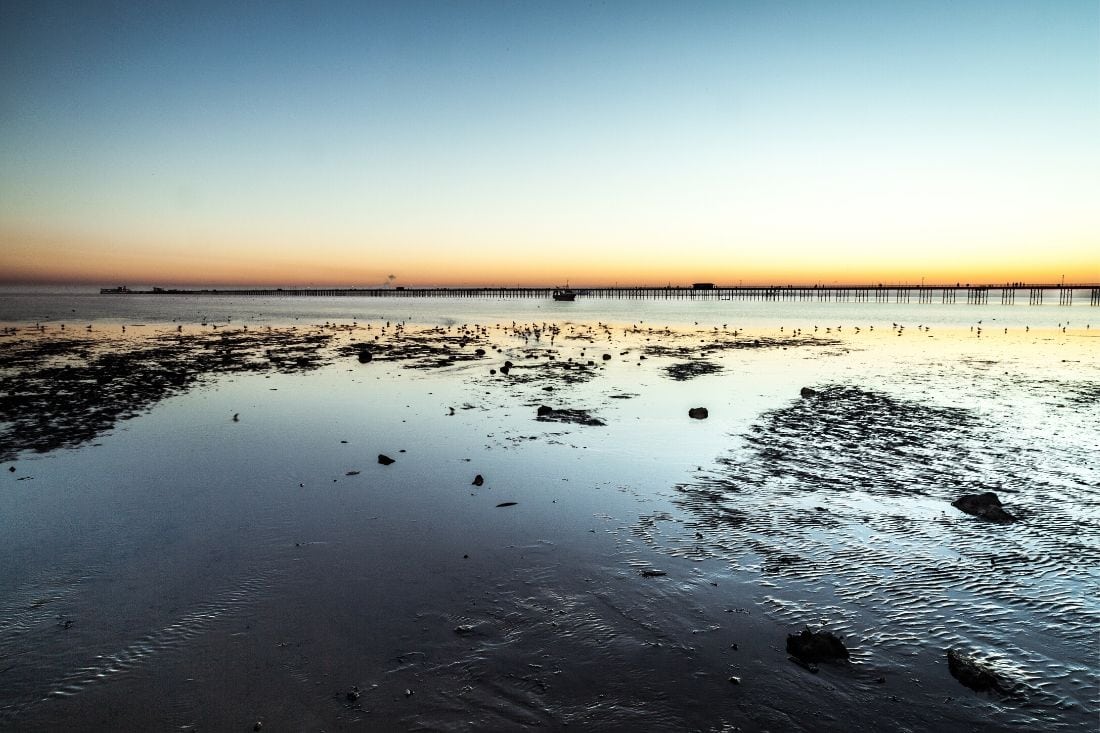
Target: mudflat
(202, 533)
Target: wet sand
(202, 538)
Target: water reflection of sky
(182, 513)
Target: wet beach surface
(200, 535)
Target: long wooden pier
(971, 294)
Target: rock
(353, 694)
(479, 352)
(808, 666)
(258, 726)
(508, 365)
(351, 473)
(506, 503)
(505, 369)
(653, 573)
(577, 417)
(478, 480)
(492, 371)
(698, 413)
(463, 629)
(384, 459)
(11, 468)
(607, 357)
(807, 392)
(365, 356)
(974, 674)
(816, 646)
(735, 680)
(985, 506)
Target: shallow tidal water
(184, 570)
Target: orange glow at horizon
(88, 262)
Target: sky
(522, 143)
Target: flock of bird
(536, 331)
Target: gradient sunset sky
(521, 143)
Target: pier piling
(975, 294)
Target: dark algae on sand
(58, 391)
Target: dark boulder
(545, 410)
(365, 356)
(698, 413)
(607, 357)
(985, 506)
(807, 392)
(384, 459)
(816, 646)
(478, 480)
(479, 352)
(974, 674)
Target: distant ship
(114, 291)
(564, 294)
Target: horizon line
(836, 285)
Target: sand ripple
(105, 667)
(841, 504)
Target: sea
(233, 555)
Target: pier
(1064, 295)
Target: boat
(114, 291)
(564, 294)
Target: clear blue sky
(509, 142)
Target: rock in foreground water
(974, 674)
(816, 646)
(985, 506)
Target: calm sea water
(21, 305)
(187, 571)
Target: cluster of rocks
(807, 648)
